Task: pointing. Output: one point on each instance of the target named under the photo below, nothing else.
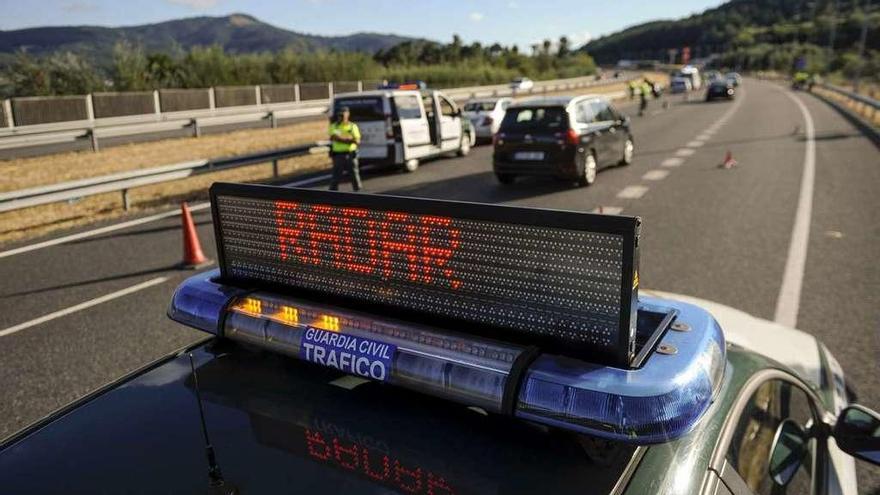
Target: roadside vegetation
(440, 65)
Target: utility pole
(862, 40)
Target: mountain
(236, 33)
(738, 24)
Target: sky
(508, 22)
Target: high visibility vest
(349, 130)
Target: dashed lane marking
(84, 305)
(695, 144)
(671, 162)
(632, 192)
(684, 152)
(656, 174)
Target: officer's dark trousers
(345, 163)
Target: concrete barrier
(346, 87)
(47, 109)
(314, 91)
(176, 100)
(121, 104)
(4, 115)
(235, 96)
(278, 93)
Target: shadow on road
(89, 281)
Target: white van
(403, 127)
(692, 73)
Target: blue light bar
(661, 401)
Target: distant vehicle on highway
(720, 88)
(734, 78)
(522, 84)
(402, 127)
(711, 75)
(566, 137)
(693, 74)
(485, 115)
(680, 85)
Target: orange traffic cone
(193, 257)
(728, 162)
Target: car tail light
(498, 138)
(572, 138)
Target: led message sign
(565, 281)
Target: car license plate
(528, 155)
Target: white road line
(671, 162)
(789, 300)
(705, 136)
(84, 305)
(632, 192)
(99, 231)
(695, 144)
(658, 174)
(684, 152)
(130, 223)
(607, 210)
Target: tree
(564, 47)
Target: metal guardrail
(122, 182)
(866, 100)
(196, 120)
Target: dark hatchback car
(720, 88)
(565, 137)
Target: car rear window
(408, 107)
(366, 108)
(534, 118)
(476, 106)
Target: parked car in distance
(679, 85)
(522, 84)
(568, 137)
(720, 88)
(734, 78)
(485, 115)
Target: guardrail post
(90, 107)
(211, 98)
(94, 139)
(7, 112)
(275, 168)
(360, 86)
(157, 106)
(126, 200)
(296, 92)
(330, 89)
(195, 125)
(273, 120)
(258, 95)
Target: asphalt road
(718, 234)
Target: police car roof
(277, 423)
(553, 101)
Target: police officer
(344, 139)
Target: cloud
(476, 16)
(512, 5)
(581, 38)
(195, 4)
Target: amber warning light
(559, 280)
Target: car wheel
(628, 149)
(465, 147)
(411, 165)
(587, 168)
(505, 178)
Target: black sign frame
(628, 227)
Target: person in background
(344, 139)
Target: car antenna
(216, 482)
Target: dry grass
(41, 220)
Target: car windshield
(551, 117)
(361, 108)
(479, 106)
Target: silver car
(486, 114)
